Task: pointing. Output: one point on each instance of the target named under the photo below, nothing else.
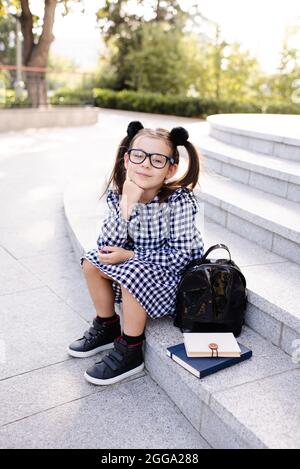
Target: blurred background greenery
(177, 62)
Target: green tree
(59, 64)
(239, 74)
(285, 83)
(157, 60)
(7, 50)
(37, 38)
(224, 71)
(124, 34)
(7, 40)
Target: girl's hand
(115, 254)
(131, 190)
(131, 194)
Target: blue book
(204, 366)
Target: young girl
(145, 244)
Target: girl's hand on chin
(131, 192)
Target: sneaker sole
(104, 382)
(90, 353)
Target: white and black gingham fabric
(164, 238)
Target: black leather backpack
(211, 296)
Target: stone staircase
(253, 204)
(250, 199)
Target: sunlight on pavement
(40, 193)
(40, 232)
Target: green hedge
(156, 103)
(74, 96)
(8, 99)
(160, 104)
(181, 105)
(283, 109)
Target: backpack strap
(215, 246)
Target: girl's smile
(143, 174)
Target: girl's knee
(88, 266)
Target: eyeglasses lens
(138, 156)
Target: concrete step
(253, 404)
(272, 134)
(274, 175)
(270, 221)
(65, 116)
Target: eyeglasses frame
(168, 158)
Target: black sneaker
(99, 337)
(125, 360)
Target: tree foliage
(157, 46)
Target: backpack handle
(215, 246)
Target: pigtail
(118, 174)
(190, 178)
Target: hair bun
(179, 135)
(133, 128)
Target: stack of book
(204, 353)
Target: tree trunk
(36, 85)
(36, 55)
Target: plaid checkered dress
(164, 238)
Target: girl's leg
(102, 294)
(129, 359)
(134, 315)
(100, 289)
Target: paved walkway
(44, 304)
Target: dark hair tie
(133, 128)
(179, 136)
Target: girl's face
(144, 174)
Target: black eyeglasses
(157, 160)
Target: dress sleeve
(114, 230)
(176, 251)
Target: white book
(211, 344)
